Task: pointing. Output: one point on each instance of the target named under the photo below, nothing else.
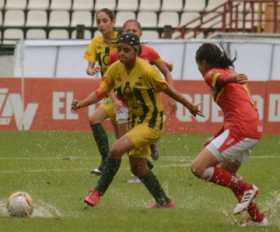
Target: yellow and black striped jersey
(99, 50)
(139, 89)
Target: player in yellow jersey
(150, 55)
(139, 85)
(97, 55)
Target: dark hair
(133, 21)
(108, 12)
(213, 56)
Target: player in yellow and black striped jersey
(139, 85)
(97, 54)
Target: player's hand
(241, 79)
(117, 104)
(92, 70)
(172, 106)
(195, 111)
(75, 105)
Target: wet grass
(54, 168)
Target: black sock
(150, 164)
(101, 140)
(152, 184)
(110, 170)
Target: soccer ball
(20, 204)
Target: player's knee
(138, 171)
(196, 170)
(205, 173)
(93, 120)
(116, 152)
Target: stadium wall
(44, 104)
(259, 59)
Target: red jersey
(240, 113)
(147, 53)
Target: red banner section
(45, 104)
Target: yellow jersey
(99, 50)
(139, 89)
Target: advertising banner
(44, 104)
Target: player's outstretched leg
(208, 167)
(120, 147)
(102, 143)
(139, 168)
(224, 178)
(110, 170)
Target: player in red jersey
(220, 159)
(147, 53)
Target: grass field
(54, 168)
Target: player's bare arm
(163, 68)
(117, 103)
(92, 98)
(171, 92)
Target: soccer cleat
(251, 222)
(171, 205)
(92, 198)
(247, 197)
(98, 171)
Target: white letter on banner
(23, 117)
(258, 100)
(216, 112)
(58, 104)
(69, 113)
(274, 108)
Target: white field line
(69, 170)
(179, 162)
(164, 157)
(44, 170)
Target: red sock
(226, 179)
(255, 213)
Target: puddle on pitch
(272, 205)
(41, 209)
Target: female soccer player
(98, 52)
(220, 159)
(151, 55)
(139, 85)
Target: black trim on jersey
(119, 92)
(99, 60)
(161, 120)
(132, 122)
(153, 120)
(139, 96)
